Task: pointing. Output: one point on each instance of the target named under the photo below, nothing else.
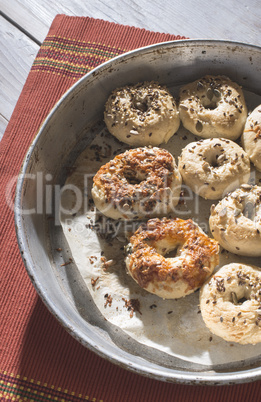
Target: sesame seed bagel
(214, 167)
(230, 303)
(235, 222)
(251, 137)
(213, 106)
(142, 114)
(171, 278)
(137, 183)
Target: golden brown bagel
(175, 277)
(137, 183)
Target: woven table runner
(39, 360)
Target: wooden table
(25, 23)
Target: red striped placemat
(39, 360)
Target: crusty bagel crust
(196, 257)
(213, 106)
(230, 303)
(137, 183)
(142, 114)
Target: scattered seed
(210, 93)
(234, 298)
(217, 93)
(199, 126)
(134, 132)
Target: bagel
(170, 278)
(137, 183)
(213, 106)
(251, 137)
(142, 114)
(230, 303)
(214, 167)
(235, 222)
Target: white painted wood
(17, 53)
(3, 125)
(237, 20)
(232, 19)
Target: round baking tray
(68, 129)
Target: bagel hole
(171, 253)
(242, 300)
(210, 102)
(211, 106)
(213, 163)
(133, 178)
(140, 104)
(217, 159)
(237, 299)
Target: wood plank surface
(3, 125)
(17, 53)
(26, 24)
(232, 19)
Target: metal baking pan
(69, 128)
